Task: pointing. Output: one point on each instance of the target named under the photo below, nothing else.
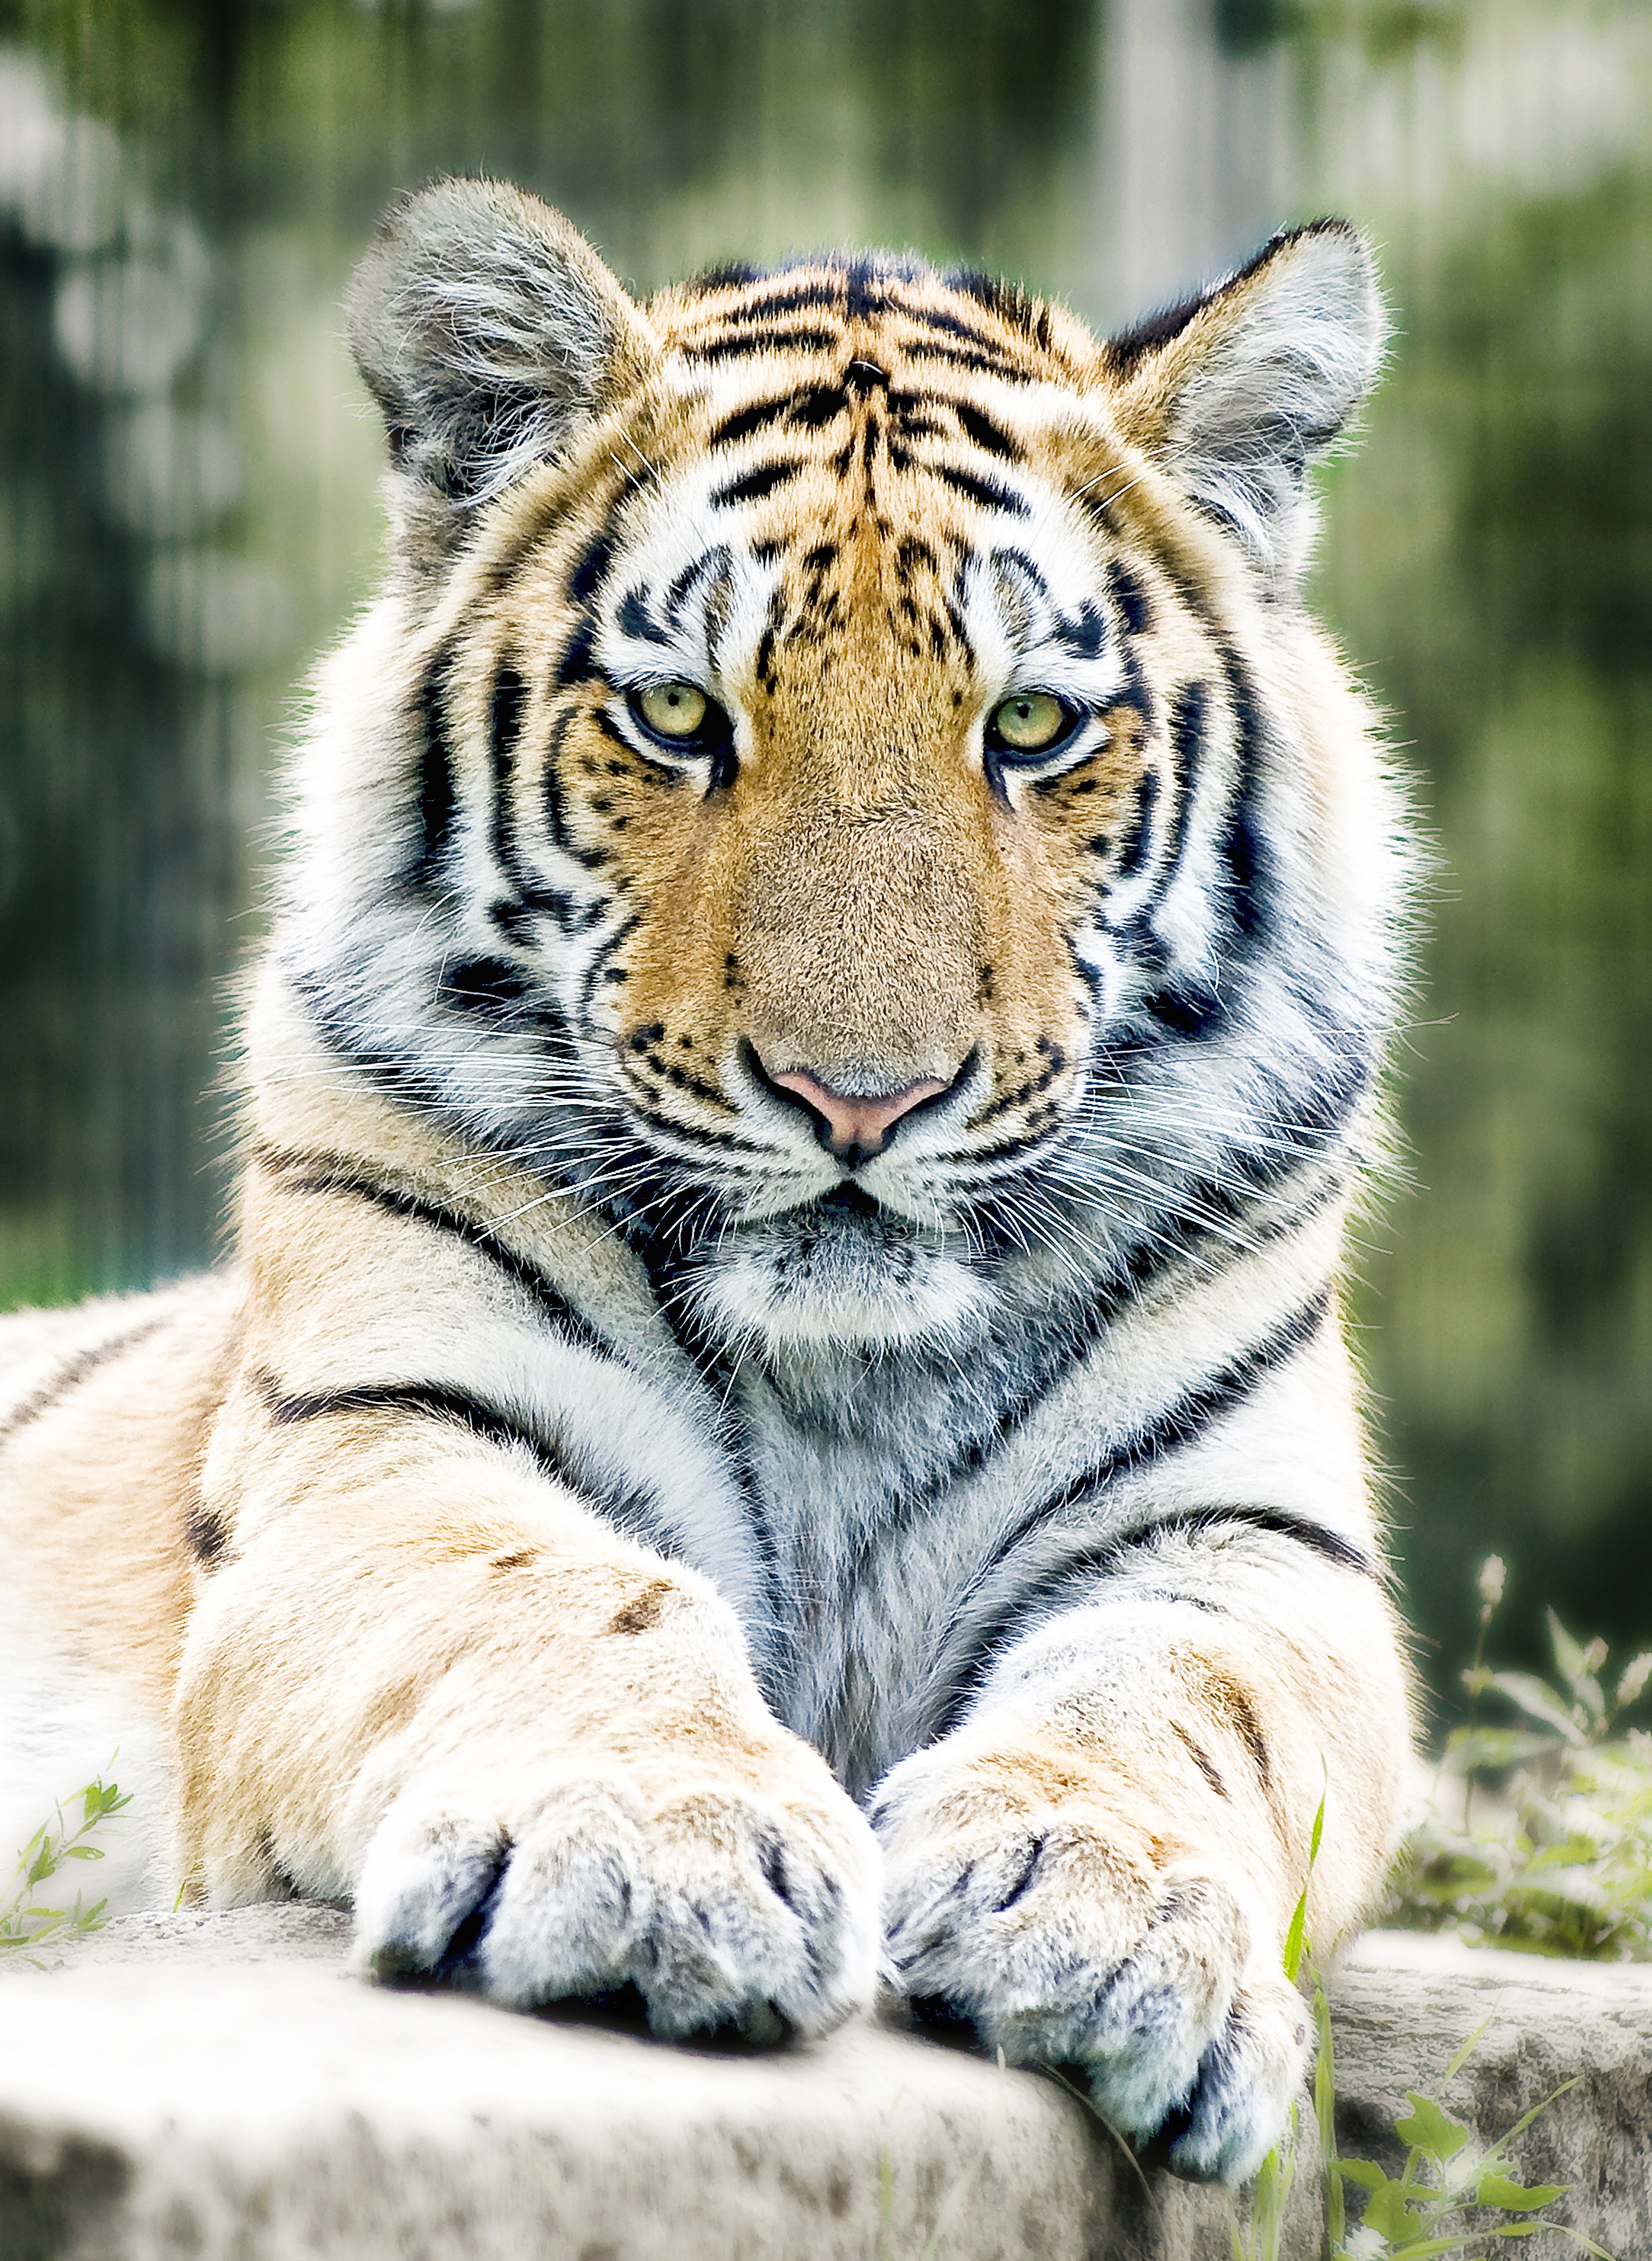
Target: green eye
(1030, 721)
(676, 710)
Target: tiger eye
(676, 710)
(1029, 721)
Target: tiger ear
(1238, 389)
(489, 333)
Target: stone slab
(219, 2088)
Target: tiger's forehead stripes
(950, 321)
(813, 477)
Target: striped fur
(642, 1531)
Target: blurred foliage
(1536, 1831)
(1490, 560)
(186, 514)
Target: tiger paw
(723, 1907)
(1067, 1940)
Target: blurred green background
(187, 511)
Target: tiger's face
(828, 751)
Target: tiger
(779, 1435)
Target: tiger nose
(854, 1125)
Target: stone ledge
(219, 2088)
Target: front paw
(1068, 1938)
(723, 1905)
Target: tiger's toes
(721, 1907)
(1064, 1948)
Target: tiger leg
(532, 1752)
(1100, 1864)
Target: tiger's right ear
(490, 333)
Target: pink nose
(855, 1125)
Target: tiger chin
(779, 1426)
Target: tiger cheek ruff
(782, 1422)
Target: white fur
(1279, 386)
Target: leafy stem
(25, 1921)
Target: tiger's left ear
(493, 337)
(1238, 389)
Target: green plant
(1537, 1831)
(1445, 2199)
(23, 1922)
(1425, 2209)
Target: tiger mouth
(851, 1200)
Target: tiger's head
(841, 777)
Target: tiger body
(781, 1415)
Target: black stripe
(1206, 1765)
(1212, 1212)
(633, 1508)
(1137, 840)
(752, 486)
(437, 791)
(204, 1533)
(727, 1141)
(1131, 597)
(818, 404)
(1192, 1011)
(505, 722)
(73, 1371)
(1179, 1424)
(329, 1017)
(1103, 1558)
(490, 985)
(1277, 1524)
(982, 430)
(531, 894)
(591, 566)
(745, 422)
(981, 364)
(1085, 633)
(737, 347)
(550, 800)
(321, 1173)
(1012, 305)
(825, 293)
(577, 663)
(866, 286)
(1127, 350)
(1187, 712)
(989, 493)
(653, 1235)
(510, 697)
(951, 326)
(633, 619)
(1244, 847)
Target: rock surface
(219, 2088)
